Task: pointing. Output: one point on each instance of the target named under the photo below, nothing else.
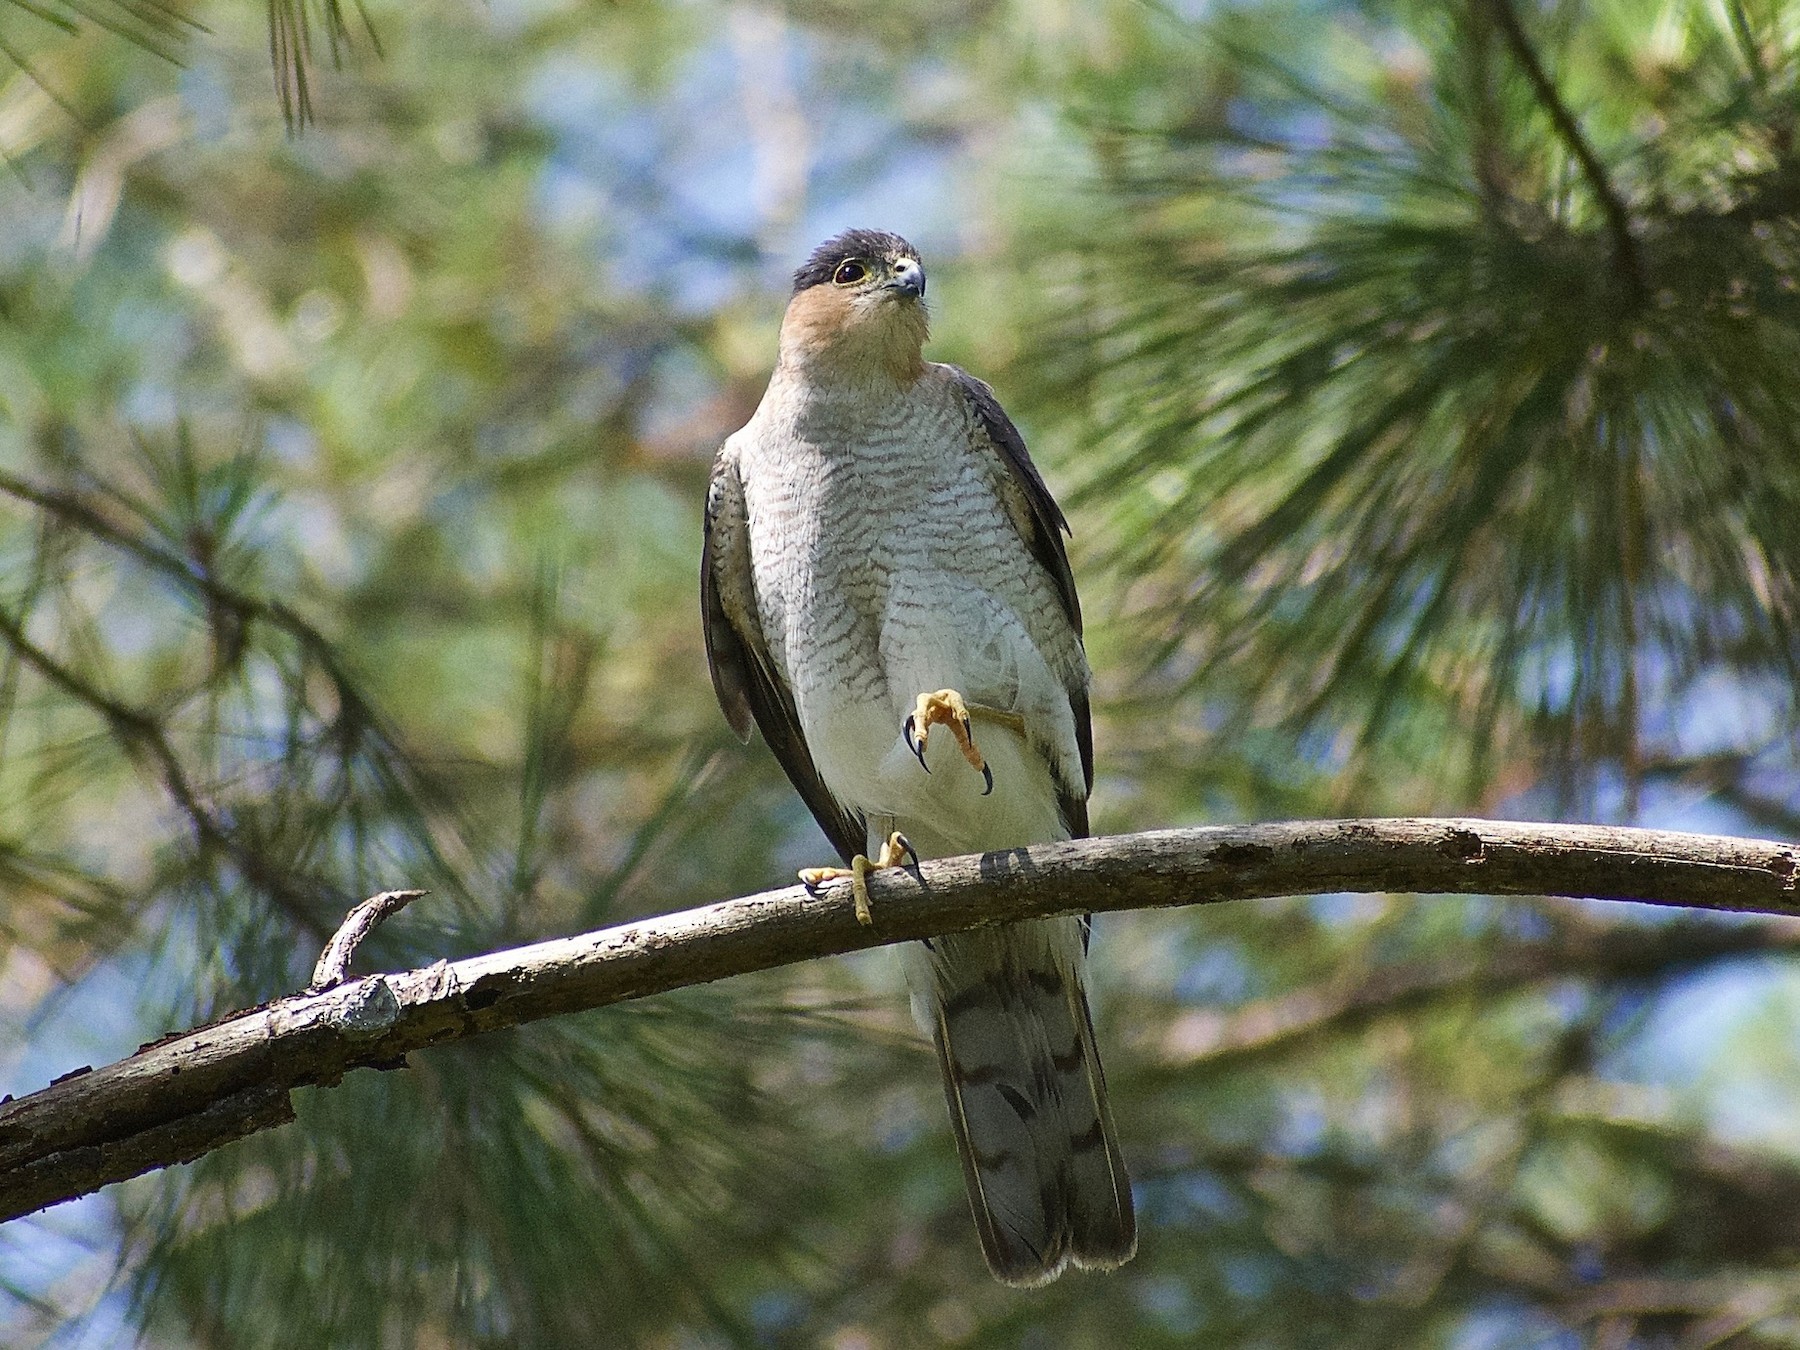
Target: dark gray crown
(866, 244)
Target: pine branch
(229, 609)
(139, 733)
(195, 1090)
(1285, 1021)
(1618, 218)
(92, 518)
(333, 966)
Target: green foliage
(572, 1181)
(1392, 411)
(1419, 380)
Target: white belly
(943, 631)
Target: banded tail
(1027, 1100)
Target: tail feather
(1027, 1100)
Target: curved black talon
(911, 852)
(987, 780)
(917, 747)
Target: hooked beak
(908, 276)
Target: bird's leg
(1013, 721)
(947, 708)
(858, 871)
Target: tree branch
(333, 966)
(1355, 997)
(139, 733)
(1618, 218)
(91, 516)
(196, 1090)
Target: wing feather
(743, 674)
(1043, 535)
(1048, 525)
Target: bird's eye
(849, 273)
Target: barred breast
(885, 568)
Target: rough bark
(193, 1091)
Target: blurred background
(1420, 380)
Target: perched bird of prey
(883, 559)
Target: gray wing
(1043, 535)
(743, 675)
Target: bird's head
(858, 310)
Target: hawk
(881, 559)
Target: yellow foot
(858, 871)
(947, 708)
